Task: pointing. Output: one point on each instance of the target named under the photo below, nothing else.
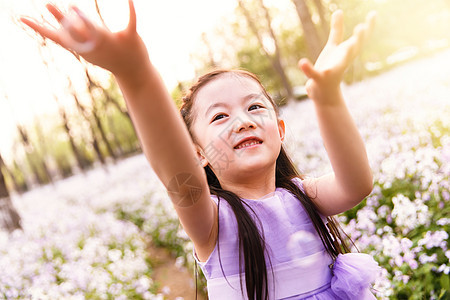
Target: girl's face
(236, 128)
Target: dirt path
(174, 282)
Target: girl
(259, 230)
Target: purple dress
(301, 267)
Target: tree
(313, 40)
(95, 114)
(3, 189)
(82, 161)
(9, 218)
(35, 162)
(274, 58)
(86, 115)
(43, 149)
(325, 28)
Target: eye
(218, 117)
(255, 106)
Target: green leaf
(445, 282)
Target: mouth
(248, 142)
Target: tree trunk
(16, 186)
(43, 147)
(95, 142)
(314, 46)
(212, 63)
(100, 128)
(3, 189)
(29, 153)
(277, 56)
(85, 114)
(325, 28)
(91, 86)
(9, 218)
(274, 59)
(111, 100)
(82, 162)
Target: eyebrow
(224, 104)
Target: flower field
(404, 118)
(85, 237)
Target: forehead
(226, 88)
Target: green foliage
(253, 60)
(54, 143)
(158, 221)
(15, 178)
(406, 33)
(412, 223)
(177, 95)
(120, 131)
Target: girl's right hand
(123, 53)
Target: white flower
(409, 214)
(114, 254)
(391, 246)
(426, 259)
(434, 239)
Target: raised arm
(162, 133)
(351, 179)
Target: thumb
(306, 66)
(132, 21)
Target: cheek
(215, 148)
(219, 154)
(273, 130)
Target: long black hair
(251, 241)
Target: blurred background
(84, 216)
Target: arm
(351, 179)
(161, 131)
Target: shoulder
(299, 182)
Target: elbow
(366, 186)
(360, 189)
(360, 193)
(368, 189)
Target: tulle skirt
(353, 274)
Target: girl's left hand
(326, 74)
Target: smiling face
(236, 128)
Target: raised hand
(120, 52)
(326, 74)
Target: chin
(251, 166)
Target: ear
(281, 129)
(201, 156)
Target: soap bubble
(302, 245)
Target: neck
(251, 186)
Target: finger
(359, 33)
(43, 31)
(306, 66)
(132, 22)
(337, 27)
(370, 22)
(83, 17)
(353, 45)
(74, 30)
(86, 33)
(55, 12)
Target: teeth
(247, 144)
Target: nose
(244, 123)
